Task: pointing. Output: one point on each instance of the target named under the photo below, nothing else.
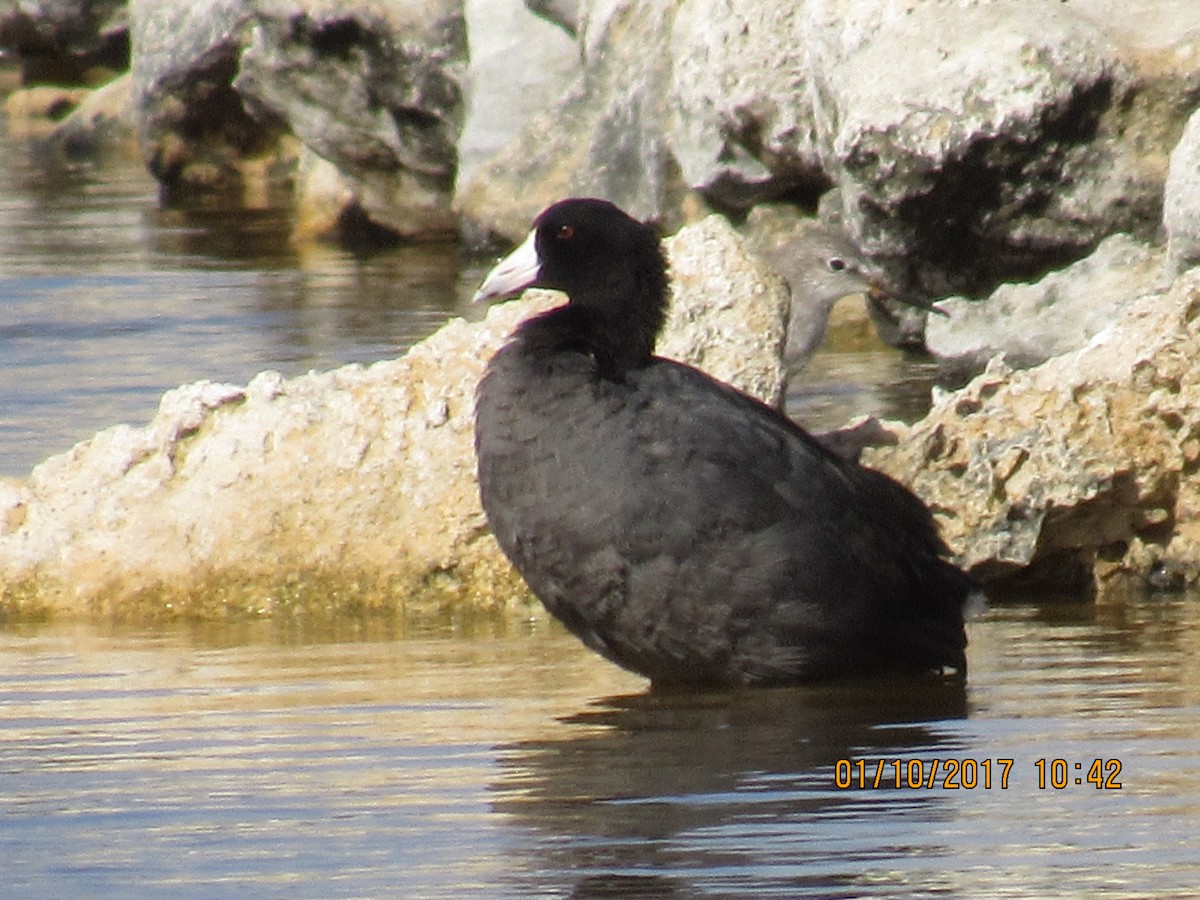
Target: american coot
(677, 526)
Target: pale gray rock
(1181, 203)
(374, 88)
(972, 143)
(228, 92)
(519, 66)
(566, 14)
(195, 130)
(1029, 323)
(603, 137)
(989, 149)
(743, 128)
(103, 119)
(728, 310)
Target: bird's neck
(617, 322)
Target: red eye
(565, 232)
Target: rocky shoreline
(1032, 166)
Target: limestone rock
(603, 137)
(374, 88)
(728, 311)
(59, 41)
(743, 128)
(103, 119)
(1030, 323)
(566, 14)
(32, 112)
(195, 129)
(519, 65)
(971, 143)
(333, 491)
(1079, 469)
(227, 90)
(1181, 203)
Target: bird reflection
(672, 794)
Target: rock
(1181, 202)
(32, 112)
(334, 491)
(375, 89)
(103, 119)
(1014, 138)
(226, 91)
(1080, 469)
(728, 310)
(195, 131)
(603, 137)
(60, 41)
(992, 150)
(566, 14)
(1029, 323)
(519, 66)
(743, 130)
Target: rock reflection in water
(674, 795)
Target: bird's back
(690, 533)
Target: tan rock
(1078, 469)
(337, 490)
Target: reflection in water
(383, 760)
(711, 792)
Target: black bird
(677, 526)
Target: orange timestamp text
(968, 773)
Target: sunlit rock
(1029, 323)
(1181, 203)
(342, 490)
(971, 143)
(1079, 469)
(604, 135)
(226, 92)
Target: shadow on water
(677, 795)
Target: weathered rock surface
(729, 310)
(375, 89)
(337, 490)
(103, 119)
(195, 130)
(226, 90)
(1030, 323)
(1011, 140)
(741, 84)
(604, 137)
(1181, 203)
(519, 65)
(59, 41)
(1079, 469)
(566, 14)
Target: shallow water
(511, 762)
(107, 301)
